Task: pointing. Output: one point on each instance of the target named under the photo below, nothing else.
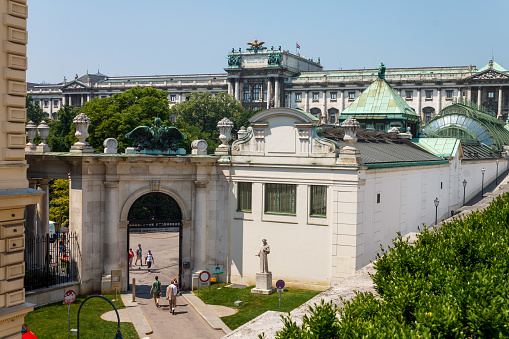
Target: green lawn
(253, 304)
(51, 321)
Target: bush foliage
(451, 284)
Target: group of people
(149, 257)
(171, 293)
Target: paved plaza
(186, 323)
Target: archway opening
(155, 223)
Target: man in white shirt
(149, 259)
(171, 294)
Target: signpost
(116, 282)
(69, 299)
(204, 276)
(218, 269)
(280, 284)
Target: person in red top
(131, 256)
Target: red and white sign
(204, 276)
(69, 297)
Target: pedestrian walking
(149, 259)
(139, 256)
(171, 295)
(131, 256)
(156, 289)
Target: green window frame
(244, 196)
(280, 198)
(318, 201)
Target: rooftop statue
(156, 138)
(381, 71)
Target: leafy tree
(34, 111)
(116, 116)
(59, 201)
(61, 131)
(197, 117)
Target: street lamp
(496, 178)
(436, 201)
(118, 335)
(482, 182)
(464, 187)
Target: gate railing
(51, 261)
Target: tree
(59, 201)
(197, 117)
(34, 111)
(61, 131)
(116, 116)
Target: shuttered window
(280, 198)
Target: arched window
(333, 115)
(316, 112)
(428, 113)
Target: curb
(138, 319)
(210, 317)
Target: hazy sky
(135, 37)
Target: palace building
(260, 77)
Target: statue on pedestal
(264, 277)
(264, 251)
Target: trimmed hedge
(451, 284)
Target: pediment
(488, 76)
(75, 85)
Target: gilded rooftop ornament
(156, 138)
(256, 46)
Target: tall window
(55, 103)
(265, 95)
(173, 98)
(244, 196)
(491, 95)
(449, 93)
(333, 95)
(318, 201)
(429, 94)
(408, 94)
(46, 103)
(256, 92)
(315, 96)
(298, 97)
(351, 95)
(280, 198)
(246, 95)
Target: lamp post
(436, 201)
(482, 182)
(464, 187)
(118, 335)
(496, 178)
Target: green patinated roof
(441, 147)
(379, 98)
(496, 67)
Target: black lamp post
(496, 178)
(436, 201)
(482, 182)
(118, 335)
(464, 187)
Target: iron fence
(51, 261)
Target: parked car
(26, 333)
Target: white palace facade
(264, 78)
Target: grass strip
(253, 304)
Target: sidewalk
(137, 317)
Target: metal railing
(51, 261)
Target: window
(491, 95)
(318, 201)
(380, 126)
(315, 96)
(427, 117)
(333, 118)
(378, 198)
(246, 95)
(449, 93)
(265, 95)
(46, 102)
(408, 94)
(429, 94)
(280, 198)
(298, 97)
(351, 95)
(173, 98)
(256, 92)
(244, 196)
(333, 96)
(55, 103)
(463, 94)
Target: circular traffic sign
(280, 284)
(204, 276)
(69, 297)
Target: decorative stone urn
(43, 131)
(225, 127)
(31, 131)
(81, 121)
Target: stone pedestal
(263, 284)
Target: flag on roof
(298, 46)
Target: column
(469, 94)
(43, 207)
(439, 96)
(479, 96)
(460, 97)
(269, 92)
(64, 100)
(419, 104)
(499, 102)
(277, 93)
(324, 108)
(250, 95)
(89, 97)
(342, 101)
(306, 101)
(200, 226)
(229, 86)
(237, 89)
(110, 233)
(81, 100)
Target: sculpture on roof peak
(155, 138)
(256, 46)
(381, 71)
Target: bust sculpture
(264, 251)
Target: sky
(163, 37)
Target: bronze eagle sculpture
(156, 138)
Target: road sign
(280, 290)
(53, 264)
(280, 284)
(69, 297)
(116, 279)
(217, 269)
(204, 276)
